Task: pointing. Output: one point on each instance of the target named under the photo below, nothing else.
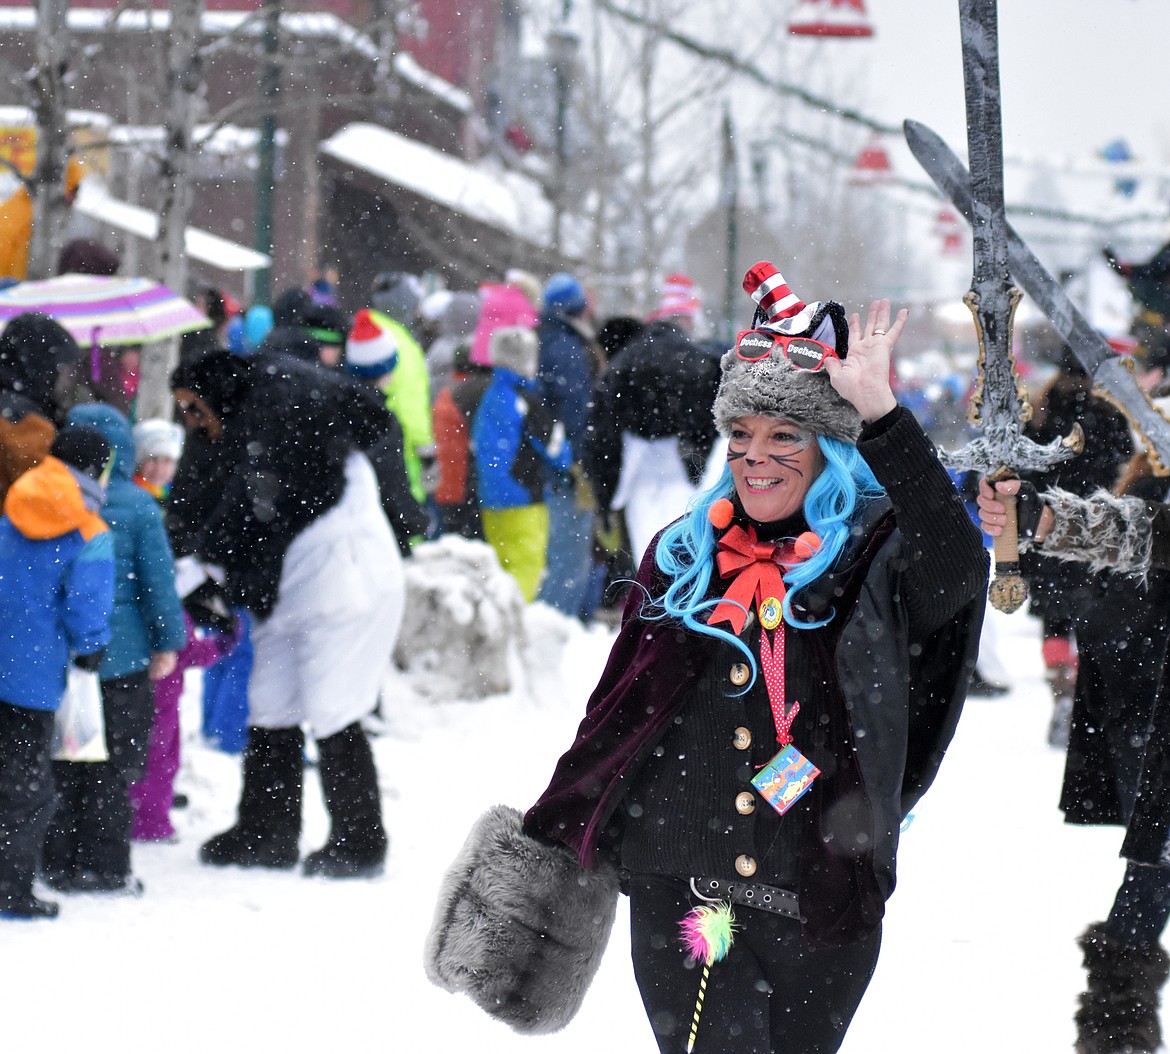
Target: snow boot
(1119, 1011)
(349, 781)
(268, 822)
(25, 906)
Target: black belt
(749, 894)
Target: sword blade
(947, 171)
(999, 402)
(1106, 368)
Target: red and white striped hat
(678, 298)
(783, 310)
(370, 348)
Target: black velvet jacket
(910, 596)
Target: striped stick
(698, 1008)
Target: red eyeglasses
(804, 353)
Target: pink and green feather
(708, 931)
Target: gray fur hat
(773, 387)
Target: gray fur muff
(520, 927)
(1106, 532)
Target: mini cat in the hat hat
(773, 372)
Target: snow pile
(464, 630)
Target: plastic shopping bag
(79, 733)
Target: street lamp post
(562, 46)
(266, 151)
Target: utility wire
(730, 59)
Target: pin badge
(770, 613)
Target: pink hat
(502, 305)
(678, 298)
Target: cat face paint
(773, 464)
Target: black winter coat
(1133, 745)
(196, 490)
(1122, 640)
(286, 448)
(660, 384)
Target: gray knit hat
(515, 348)
(772, 386)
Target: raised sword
(999, 406)
(1112, 374)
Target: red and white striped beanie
(370, 348)
(678, 298)
(782, 309)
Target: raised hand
(863, 377)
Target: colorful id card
(785, 778)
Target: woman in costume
(789, 670)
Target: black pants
(26, 795)
(90, 831)
(1142, 907)
(772, 993)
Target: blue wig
(686, 550)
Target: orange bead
(806, 545)
(720, 514)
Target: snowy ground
(979, 943)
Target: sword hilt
(1008, 590)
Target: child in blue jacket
(56, 592)
(88, 844)
(517, 446)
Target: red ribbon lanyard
(772, 661)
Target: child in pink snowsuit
(154, 794)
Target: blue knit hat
(563, 293)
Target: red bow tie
(756, 566)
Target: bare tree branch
(732, 61)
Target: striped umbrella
(105, 311)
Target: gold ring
(879, 332)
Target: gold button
(740, 674)
(743, 738)
(745, 865)
(745, 802)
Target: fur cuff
(520, 926)
(1105, 532)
